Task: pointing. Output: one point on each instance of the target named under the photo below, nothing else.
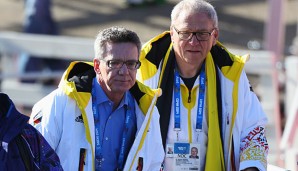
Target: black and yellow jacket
(65, 118)
(233, 111)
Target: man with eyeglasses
(92, 118)
(207, 101)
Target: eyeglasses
(200, 35)
(117, 64)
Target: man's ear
(96, 64)
(171, 33)
(215, 34)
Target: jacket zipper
(189, 96)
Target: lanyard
(98, 142)
(201, 99)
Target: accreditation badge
(186, 156)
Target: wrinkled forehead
(195, 20)
(122, 50)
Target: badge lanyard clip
(198, 134)
(177, 132)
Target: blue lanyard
(201, 100)
(177, 124)
(199, 121)
(98, 143)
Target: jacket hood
(12, 122)
(77, 77)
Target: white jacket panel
(62, 126)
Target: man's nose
(123, 70)
(193, 39)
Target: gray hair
(193, 7)
(114, 34)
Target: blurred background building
(267, 29)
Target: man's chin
(121, 89)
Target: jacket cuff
(252, 163)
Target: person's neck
(115, 98)
(187, 70)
